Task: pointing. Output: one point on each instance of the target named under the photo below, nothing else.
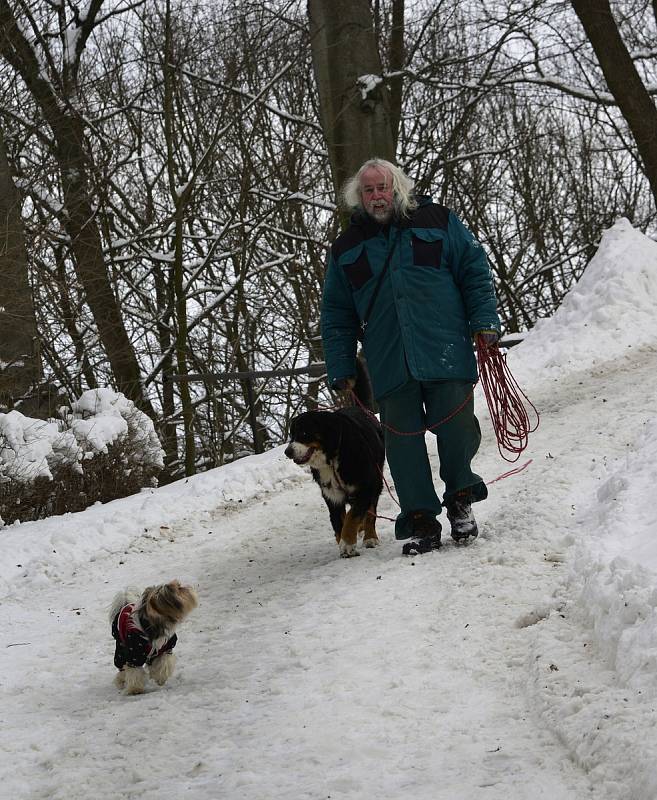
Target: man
(414, 280)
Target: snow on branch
(249, 96)
(592, 96)
(368, 83)
(294, 197)
(33, 448)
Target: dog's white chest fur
(332, 487)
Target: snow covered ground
(522, 666)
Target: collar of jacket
(371, 227)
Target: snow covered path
(302, 675)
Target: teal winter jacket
(436, 294)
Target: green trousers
(414, 407)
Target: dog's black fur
(345, 452)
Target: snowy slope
(520, 667)
(610, 310)
(36, 552)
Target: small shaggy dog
(144, 627)
(345, 452)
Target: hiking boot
(426, 532)
(461, 518)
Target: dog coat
(134, 648)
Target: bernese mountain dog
(345, 452)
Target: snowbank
(605, 614)
(615, 566)
(610, 589)
(614, 562)
(102, 417)
(610, 309)
(37, 551)
(33, 448)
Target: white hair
(402, 187)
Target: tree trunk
(396, 60)
(623, 80)
(79, 220)
(181, 346)
(355, 117)
(179, 199)
(167, 429)
(87, 248)
(20, 366)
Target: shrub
(102, 448)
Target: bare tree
(20, 366)
(623, 80)
(211, 161)
(54, 91)
(354, 102)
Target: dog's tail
(363, 387)
(122, 598)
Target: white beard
(381, 215)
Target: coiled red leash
(507, 404)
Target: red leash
(507, 403)
(422, 431)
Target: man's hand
(488, 338)
(343, 384)
(344, 389)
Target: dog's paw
(130, 690)
(134, 680)
(372, 541)
(162, 668)
(348, 550)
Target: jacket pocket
(356, 266)
(427, 247)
